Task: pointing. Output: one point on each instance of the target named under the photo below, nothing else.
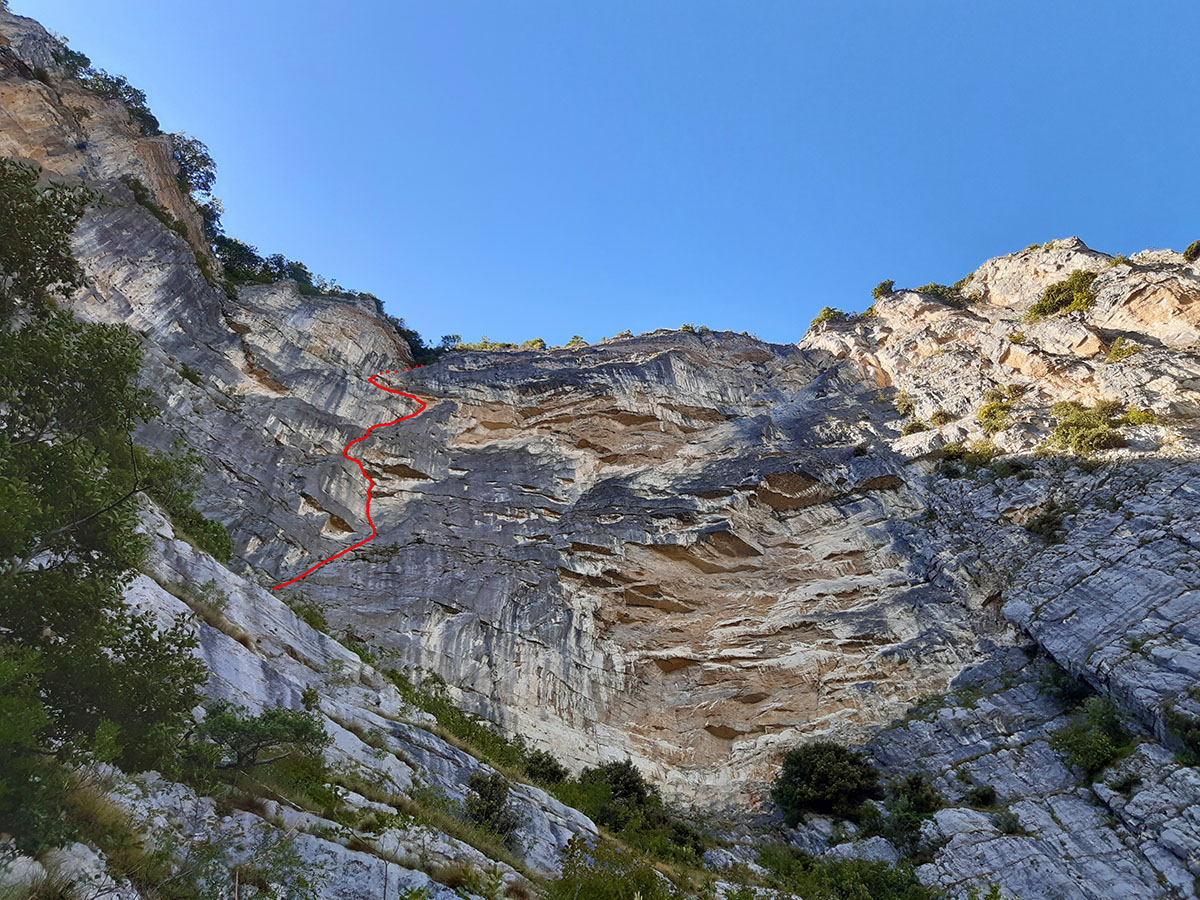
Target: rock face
(692, 548)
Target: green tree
(488, 806)
(36, 261)
(107, 680)
(247, 741)
(197, 170)
(823, 777)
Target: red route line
(370, 483)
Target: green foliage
(1007, 822)
(982, 795)
(1137, 417)
(85, 674)
(614, 795)
(243, 264)
(1073, 293)
(801, 875)
(617, 796)
(941, 417)
(1048, 523)
(1095, 737)
(606, 872)
(1121, 349)
(963, 459)
(1192, 253)
(544, 769)
(823, 777)
(1185, 728)
(108, 86)
(1016, 337)
(488, 806)
(913, 428)
(1086, 430)
(308, 612)
(1120, 260)
(197, 170)
(995, 417)
(883, 289)
(485, 741)
(455, 342)
(829, 315)
(172, 480)
(246, 741)
(576, 341)
(905, 404)
(1063, 686)
(36, 223)
(951, 294)
(1127, 783)
(909, 801)
(145, 198)
(263, 864)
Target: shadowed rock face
(691, 548)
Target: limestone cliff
(697, 548)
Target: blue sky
(539, 169)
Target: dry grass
(53, 886)
(208, 602)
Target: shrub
(617, 796)
(829, 314)
(1008, 822)
(823, 777)
(909, 801)
(883, 289)
(307, 611)
(172, 480)
(247, 741)
(145, 198)
(1086, 430)
(961, 459)
(1127, 783)
(1192, 253)
(543, 768)
(913, 428)
(800, 874)
(1121, 349)
(1120, 260)
(1096, 736)
(982, 795)
(606, 872)
(941, 417)
(1063, 686)
(995, 417)
(1048, 523)
(1016, 337)
(905, 404)
(1073, 293)
(576, 341)
(951, 294)
(1186, 728)
(488, 806)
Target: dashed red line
(370, 483)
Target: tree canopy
(82, 672)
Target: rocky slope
(692, 548)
